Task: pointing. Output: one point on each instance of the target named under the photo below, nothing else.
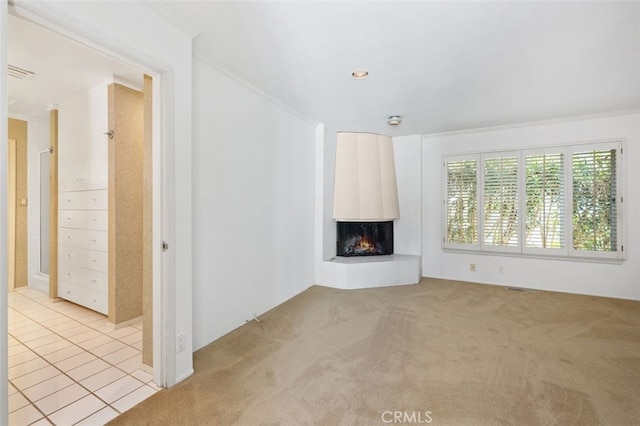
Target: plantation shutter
(500, 189)
(461, 203)
(595, 208)
(544, 200)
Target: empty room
(343, 212)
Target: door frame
(11, 214)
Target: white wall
(253, 180)
(408, 228)
(603, 279)
(83, 155)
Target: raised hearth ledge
(356, 272)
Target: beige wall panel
(147, 230)
(53, 207)
(18, 132)
(126, 108)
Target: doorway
(51, 233)
(164, 51)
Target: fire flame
(365, 244)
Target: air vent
(19, 73)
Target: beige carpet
(450, 352)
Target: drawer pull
(68, 218)
(68, 237)
(94, 240)
(93, 281)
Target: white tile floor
(67, 366)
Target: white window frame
(566, 252)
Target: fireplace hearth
(364, 238)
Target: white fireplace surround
(404, 266)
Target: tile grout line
(126, 373)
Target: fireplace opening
(365, 238)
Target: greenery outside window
(552, 201)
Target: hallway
(68, 366)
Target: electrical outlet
(472, 267)
(181, 342)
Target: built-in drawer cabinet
(84, 219)
(95, 200)
(84, 200)
(89, 298)
(95, 300)
(71, 292)
(95, 280)
(90, 259)
(83, 259)
(93, 240)
(70, 201)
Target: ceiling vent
(19, 73)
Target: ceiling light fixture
(360, 74)
(394, 120)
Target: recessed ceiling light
(360, 74)
(394, 120)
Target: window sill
(586, 259)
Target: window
(500, 201)
(558, 201)
(544, 195)
(594, 200)
(461, 201)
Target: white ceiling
(63, 68)
(443, 66)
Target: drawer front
(84, 219)
(72, 237)
(92, 299)
(93, 240)
(76, 219)
(70, 255)
(96, 260)
(94, 280)
(82, 277)
(97, 220)
(84, 258)
(70, 292)
(70, 201)
(95, 300)
(95, 200)
(97, 240)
